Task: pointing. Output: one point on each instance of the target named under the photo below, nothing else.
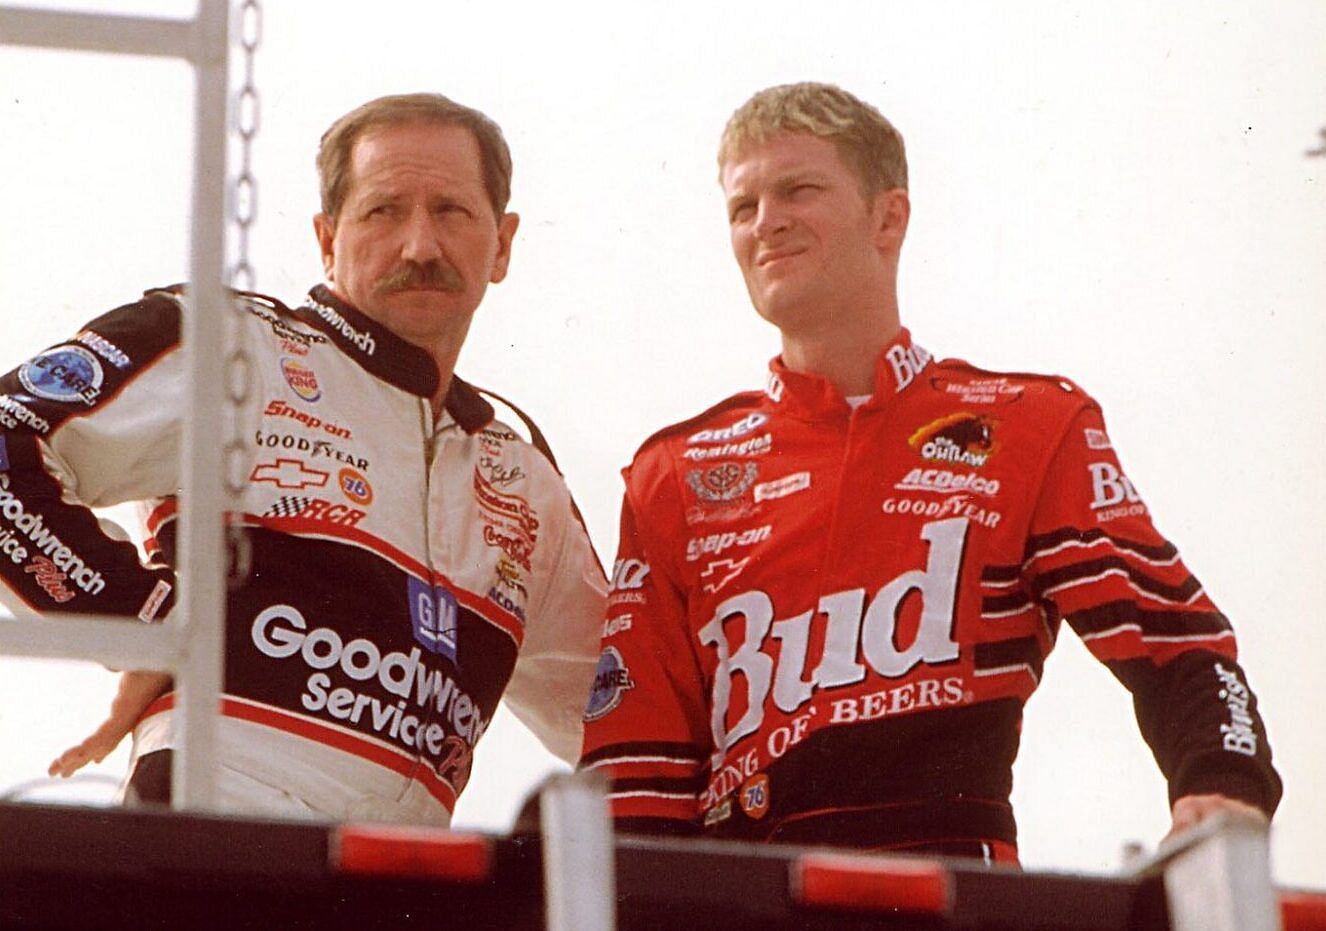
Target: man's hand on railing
(137, 690)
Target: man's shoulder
(1015, 393)
(731, 420)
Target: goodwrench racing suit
(407, 572)
(824, 622)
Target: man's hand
(1190, 810)
(136, 692)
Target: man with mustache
(832, 597)
(413, 558)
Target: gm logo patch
(435, 616)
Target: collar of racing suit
(390, 358)
(810, 396)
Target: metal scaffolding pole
(190, 642)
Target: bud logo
(851, 626)
(611, 681)
(435, 616)
(302, 380)
(288, 473)
(962, 439)
(1110, 487)
(65, 373)
(725, 482)
(907, 362)
(944, 481)
(355, 487)
(628, 574)
(747, 424)
(716, 543)
(781, 488)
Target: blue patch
(65, 373)
(4, 455)
(611, 681)
(436, 616)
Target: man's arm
(646, 725)
(90, 422)
(1095, 559)
(136, 691)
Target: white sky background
(1114, 191)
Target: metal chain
(242, 277)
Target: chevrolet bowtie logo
(722, 571)
(288, 473)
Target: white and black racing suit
(408, 571)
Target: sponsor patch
(105, 348)
(755, 796)
(719, 813)
(721, 571)
(945, 481)
(435, 616)
(1097, 439)
(612, 680)
(65, 373)
(616, 625)
(154, 601)
(755, 446)
(355, 487)
(4, 455)
(953, 506)
(980, 390)
(317, 509)
(289, 473)
(278, 408)
(15, 414)
(510, 524)
(748, 424)
(302, 380)
(724, 482)
(715, 543)
(961, 439)
(782, 487)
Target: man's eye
(741, 213)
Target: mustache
(409, 275)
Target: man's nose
(419, 241)
(770, 218)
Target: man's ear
(892, 210)
(506, 232)
(325, 229)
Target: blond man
(833, 597)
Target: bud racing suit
(407, 571)
(824, 621)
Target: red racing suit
(407, 571)
(824, 622)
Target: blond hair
(339, 140)
(867, 141)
